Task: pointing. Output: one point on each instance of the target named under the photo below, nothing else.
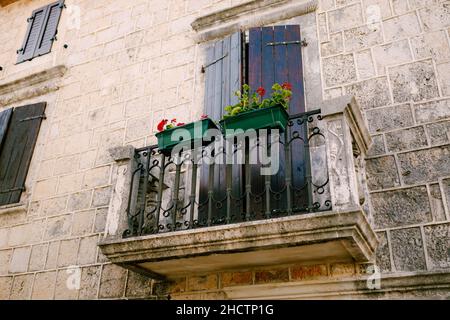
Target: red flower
(204, 116)
(261, 91)
(162, 124)
(174, 121)
(287, 86)
(180, 124)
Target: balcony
(172, 216)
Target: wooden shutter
(18, 149)
(4, 121)
(223, 73)
(275, 57)
(50, 28)
(32, 36)
(41, 32)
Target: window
(19, 129)
(260, 57)
(41, 32)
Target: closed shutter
(50, 28)
(275, 57)
(32, 36)
(4, 121)
(223, 72)
(17, 151)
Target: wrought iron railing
(180, 193)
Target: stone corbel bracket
(345, 131)
(31, 86)
(243, 16)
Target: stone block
(322, 25)
(342, 269)
(200, 283)
(431, 45)
(272, 275)
(435, 17)
(66, 287)
(20, 259)
(68, 252)
(101, 197)
(164, 288)
(439, 133)
(332, 47)
(436, 202)
(397, 52)
(372, 7)
(83, 222)
(5, 258)
(88, 250)
(54, 206)
(444, 77)
(38, 257)
(4, 234)
(97, 177)
(339, 70)
(112, 283)
(403, 26)
(231, 279)
(79, 201)
(371, 93)
(377, 147)
(414, 81)
(90, 278)
(425, 165)
(325, 5)
(382, 173)
(437, 239)
(70, 183)
(45, 189)
(364, 64)
(432, 111)
(400, 6)
(363, 37)
(401, 207)
(52, 255)
(43, 287)
(345, 17)
(138, 285)
(383, 260)
(406, 139)
(22, 285)
(5, 287)
(408, 250)
(309, 272)
(58, 227)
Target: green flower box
(166, 144)
(274, 117)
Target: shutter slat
(50, 28)
(294, 58)
(5, 116)
(18, 150)
(32, 35)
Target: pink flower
(204, 116)
(286, 86)
(261, 91)
(181, 124)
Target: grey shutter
(50, 28)
(18, 150)
(223, 68)
(223, 75)
(4, 121)
(32, 36)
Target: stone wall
(131, 63)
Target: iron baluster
(192, 196)
(175, 197)
(288, 174)
(267, 179)
(146, 172)
(228, 170)
(308, 165)
(248, 183)
(160, 191)
(210, 192)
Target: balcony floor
(326, 236)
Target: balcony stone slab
(329, 236)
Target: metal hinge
(303, 43)
(34, 118)
(211, 63)
(12, 190)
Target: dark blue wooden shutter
(32, 36)
(275, 57)
(17, 150)
(50, 28)
(5, 116)
(223, 77)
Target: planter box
(268, 118)
(166, 144)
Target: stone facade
(128, 64)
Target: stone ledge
(254, 13)
(30, 86)
(327, 236)
(399, 284)
(14, 208)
